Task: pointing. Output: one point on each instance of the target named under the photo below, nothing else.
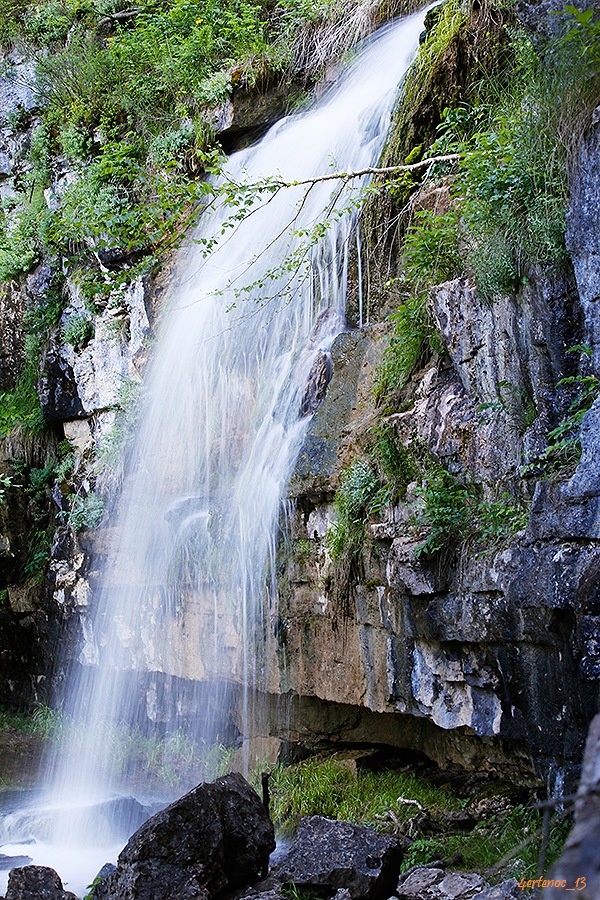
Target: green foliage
(338, 788)
(173, 759)
(5, 483)
(91, 888)
(453, 512)
(37, 485)
(430, 251)
(413, 340)
(516, 142)
(334, 787)
(494, 840)
(562, 455)
(21, 407)
(394, 463)
(119, 438)
(78, 331)
(517, 405)
(44, 721)
(85, 512)
(358, 496)
(18, 247)
(154, 70)
(445, 512)
(496, 521)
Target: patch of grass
(491, 841)
(517, 143)
(44, 721)
(169, 760)
(334, 787)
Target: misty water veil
(178, 634)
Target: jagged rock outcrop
(578, 868)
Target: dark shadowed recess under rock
(214, 839)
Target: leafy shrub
(396, 465)
(357, 497)
(5, 484)
(85, 512)
(430, 252)
(445, 512)
(414, 338)
(78, 331)
(562, 455)
(453, 512)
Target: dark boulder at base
(36, 883)
(328, 855)
(216, 838)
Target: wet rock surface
(579, 865)
(215, 838)
(335, 855)
(36, 883)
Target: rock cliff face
(489, 658)
(485, 657)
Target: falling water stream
(180, 621)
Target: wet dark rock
(331, 855)
(106, 870)
(318, 455)
(57, 389)
(215, 838)
(507, 890)
(36, 883)
(579, 865)
(318, 379)
(583, 233)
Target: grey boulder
(329, 855)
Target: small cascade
(179, 624)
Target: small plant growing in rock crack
(5, 483)
(395, 465)
(515, 402)
(413, 340)
(78, 331)
(454, 512)
(85, 512)
(359, 495)
(561, 456)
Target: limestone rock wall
(497, 645)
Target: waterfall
(180, 619)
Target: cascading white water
(180, 620)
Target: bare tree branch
(373, 170)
